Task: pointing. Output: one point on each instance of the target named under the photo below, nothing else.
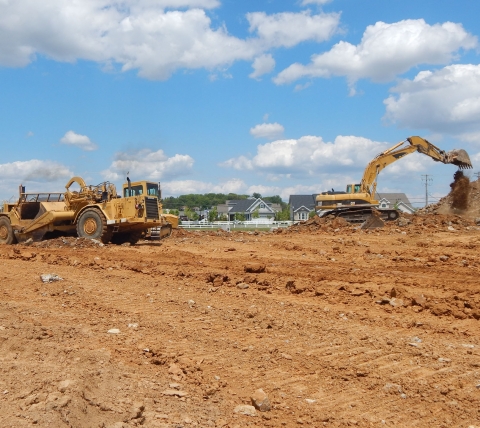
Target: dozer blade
(373, 222)
(460, 158)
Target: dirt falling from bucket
(460, 191)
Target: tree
(192, 215)
(284, 214)
(256, 213)
(240, 216)
(312, 214)
(212, 214)
(257, 195)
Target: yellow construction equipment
(94, 212)
(357, 202)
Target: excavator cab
(353, 188)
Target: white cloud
(34, 170)
(320, 2)
(267, 130)
(30, 134)
(443, 101)
(146, 164)
(144, 35)
(288, 29)
(185, 187)
(309, 155)
(81, 141)
(262, 65)
(385, 51)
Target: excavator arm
(457, 157)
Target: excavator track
(360, 214)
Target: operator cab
(353, 188)
(141, 188)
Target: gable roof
(297, 201)
(246, 205)
(240, 205)
(302, 208)
(393, 198)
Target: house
(246, 207)
(395, 200)
(301, 206)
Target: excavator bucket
(460, 158)
(373, 222)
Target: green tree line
(210, 200)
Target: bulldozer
(92, 211)
(358, 202)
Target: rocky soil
(322, 324)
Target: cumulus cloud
(287, 29)
(267, 130)
(385, 51)
(146, 164)
(34, 170)
(145, 35)
(81, 141)
(320, 2)
(309, 155)
(262, 65)
(185, 187)
(443, 101)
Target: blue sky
(268, 96)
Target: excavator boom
(357, 203)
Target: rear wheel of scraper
(6, 232)
(392, 215)
(92, 225)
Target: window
(134, 191)
(262, 205)
(303, 216)
(152, 189)
(349, 188)
(357, 188)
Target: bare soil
(339, 327)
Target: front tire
(6, 232)
(92, 224)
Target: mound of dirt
(463, 199)
(326, 224)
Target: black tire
(6, 232)
(122, 238)
(92, 224)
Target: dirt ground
(338, 326)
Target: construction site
(320, 324)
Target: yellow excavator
(358, 202)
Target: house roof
(240, 205)
(302, 208)
(246, 205)
(394, 198)
(297, 201)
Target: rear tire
(6, 232)
(92, 224)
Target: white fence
(226, 225)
